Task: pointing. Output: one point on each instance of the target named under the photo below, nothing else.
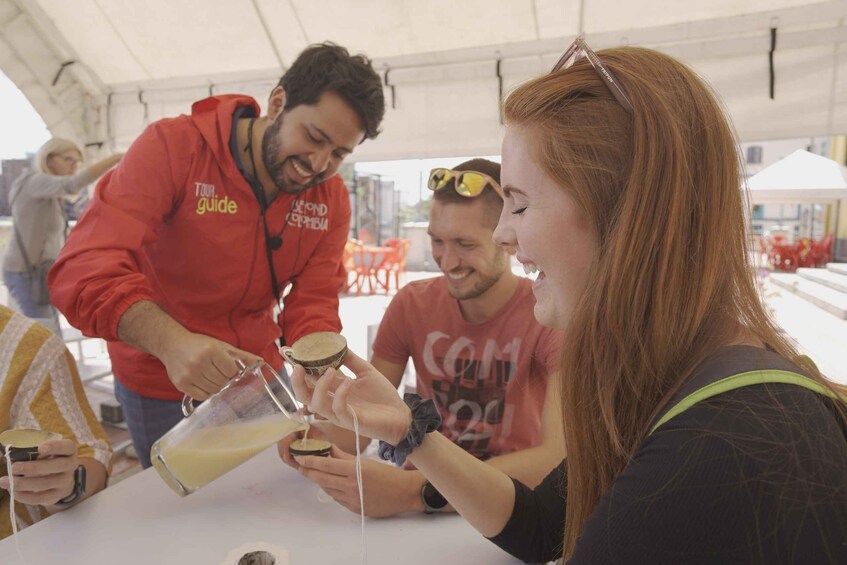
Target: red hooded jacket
(176, 223)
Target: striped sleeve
(40, 388)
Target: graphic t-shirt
(487, 379)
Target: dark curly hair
(326, 67)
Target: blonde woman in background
(36, 200)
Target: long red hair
(671, 281)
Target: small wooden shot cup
(24, 443)
(316, 447)
(317, 352)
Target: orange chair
(785, 257)
(356, 265)
(805, 258)
(393, 263)
(821, 252)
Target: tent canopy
(100, 70)
(801, 177)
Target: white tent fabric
(799, 178)
(100, 70)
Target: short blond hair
(492, 201)
(54, 146)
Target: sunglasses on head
(579, 49)
(469, 184)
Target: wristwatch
(432, 500)
(79, 488)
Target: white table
(141, 521)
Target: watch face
(79, 480)
(79, 487)
(432, 498)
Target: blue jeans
(148, 419)
(20, 287)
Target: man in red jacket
(180, 256)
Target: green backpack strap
(739, 380)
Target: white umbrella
(802, 177)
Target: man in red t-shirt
(477, 350)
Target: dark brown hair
(326, 67)
(671, 281)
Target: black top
(753, 475)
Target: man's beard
(271, 148)
(486, 280)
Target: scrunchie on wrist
(425, 419)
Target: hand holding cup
(381, 412)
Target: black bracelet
(425, 419)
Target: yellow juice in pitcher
(206, 454)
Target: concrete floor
(818, 334)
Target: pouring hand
(381, 413)
(200, 366)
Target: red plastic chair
(393, 263)
(356, 264)
(821, 251)
(805, 257)
(784, 257)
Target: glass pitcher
(252, 412)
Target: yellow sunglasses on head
(469, 184)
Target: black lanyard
(272, 243)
